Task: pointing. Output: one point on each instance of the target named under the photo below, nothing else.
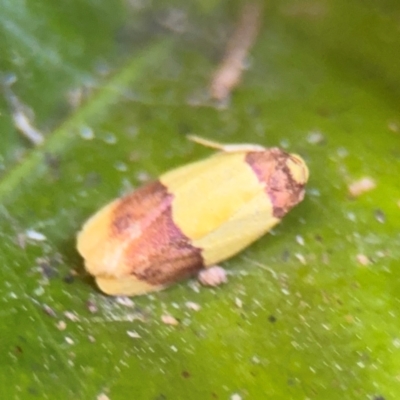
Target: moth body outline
(192, 217)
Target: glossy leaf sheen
(300, 317)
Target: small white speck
(133, 334)
(313, 192)
(301, 258)
(110, 138)
(285, 291)
(102, 396)
(380, 254)
(125, 301)
(351, 216)
(23, 124)
(238, 302)
(92, 306)
(71, 316)
(212, 276)
(120, 166)
(39, 291)
(361, 364)
(86, 133)
(396, 343)
(362, 259)
(192, 306)
(380, 216)
(143, 176)
(35, 235)
(361, 186)
(255, 360)
(236, 396)
(337, 366)
(75, 96)
(342, 152)
(61, 325)
(169, 320)
(194, 285)
(173, 348)
(315, 137)
(69, 340)
(48, 310)
(284, 143)
(300, 240)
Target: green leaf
(115, 87)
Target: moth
(190, 218)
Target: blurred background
(98, 97)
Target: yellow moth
(191, 218)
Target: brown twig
(230, 70)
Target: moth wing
(251, 222)
(125, 286)
(132, 246)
